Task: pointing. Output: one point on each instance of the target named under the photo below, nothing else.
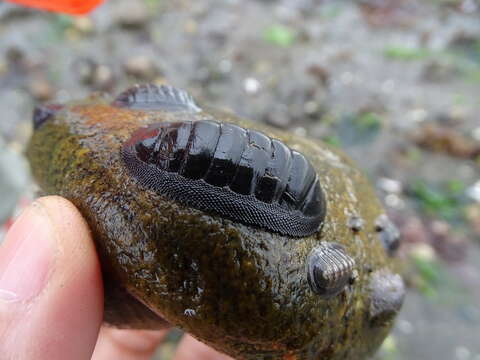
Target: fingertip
(127, 344)
(192, 349)
(62, 319)
(67, 219)
(76, 305)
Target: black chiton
(329, 269)
(238, 173)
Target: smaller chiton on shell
(153, 97)
(329, 269)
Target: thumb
(51, 299)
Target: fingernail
(26, 256)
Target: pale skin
(51, 295)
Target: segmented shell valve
(330, 269)
(241, 174)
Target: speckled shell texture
(239, 288)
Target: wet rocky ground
(395, 83)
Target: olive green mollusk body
(239, 288)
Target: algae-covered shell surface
(243, 288)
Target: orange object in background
(73, 7)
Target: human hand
(51, 294)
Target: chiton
(153, 97)
(329, 269)
(241, 174)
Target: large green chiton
(260, 243)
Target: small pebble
(320, 73)
(131, 14)
(388, 86)
(84, 25)
(437, 71)
(3, 67)
(90, 73)
(251, 85)
(40, 88)
(469, 6)
(279, 116)
(473, 192)
(473, 215)
(311, 107)
(394, 202)
(141, 66)
(405, 327)
(347, 78)
(225, 66)
(300, 131)
(476, 133)
(390, 185)
(190, 27)
(15, 55)
(63, 96)
(414, 231)
(85, 70)
(446, 139)
(417, 115)
(103, 78)
(462, 353)
(423, 251)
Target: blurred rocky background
(395, 83)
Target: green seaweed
(434, 281)
(430, 275)
(332, 140)
(445, 201)
(398, 52)
(280, 35)
(359, 128)
(153, 5)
